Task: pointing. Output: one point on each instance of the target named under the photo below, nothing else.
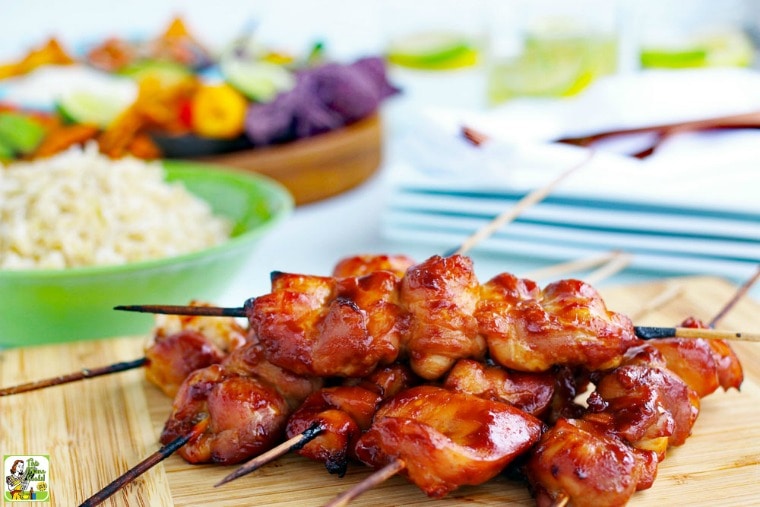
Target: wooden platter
(95, 430)
(317, 167)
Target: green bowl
(55, 306)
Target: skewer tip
(654, 333)
(207, 311)
(292, 444)
(146, 464)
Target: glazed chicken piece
(361, 265)
(251, 361)
(247, 400)
(567, 323)
(183, 344)
(344, 412)
(729, 368)
(446, 440)
(705, 365)
(246, 417)
(441, 295)
(323, 326)
(388, 380)
(578, 464)
(530, 392)
(648, 407)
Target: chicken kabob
(442, 277)
(302, 345)
(195, 352)
(713, 364)
(605, 452)
(530, 392)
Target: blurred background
(625, 34)
(521, 71)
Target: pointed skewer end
(292, 444)
(208, 311)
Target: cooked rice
(80, 208)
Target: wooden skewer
(292, 444)
(205, 311)
(653, 333)
(556, 270)
(643, 332)
(737, 296)
(615, 265)
(145, 465)
(73, 377)
(378, 477)
(529, 200)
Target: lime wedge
(673, 58)
(537, 78)
(718, 49)
(19, 134)
(433, 51)
(258, 80)
(552, 66)
(96, 106)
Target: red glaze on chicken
(360, 265)
(183, 344)
(567, 324)
(342, 413)
(445, 439)
(580, 465)
(530, 392)
(324, 326)
(441, 295)
(247, 401)
(649, 407)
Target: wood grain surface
(96, 429)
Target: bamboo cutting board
(96, 429)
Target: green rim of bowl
(275, 205)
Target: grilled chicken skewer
(306, 320)
(475, 378)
